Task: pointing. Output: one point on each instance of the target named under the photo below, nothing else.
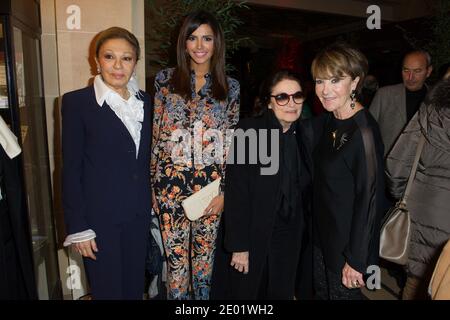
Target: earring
(352, 96)
(98, 69)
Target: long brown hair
(181, 79)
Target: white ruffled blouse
(130, 112)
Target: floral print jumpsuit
(189, 246)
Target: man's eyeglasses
(283, 99)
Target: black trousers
(279, 271)
(12, 285)
(275, 278)
(328, 284)
(119, 271)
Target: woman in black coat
(263, 215)
(348, 177)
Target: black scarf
(288, 170)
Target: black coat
(17, 279)
(249, 215)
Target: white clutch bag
(195, 205)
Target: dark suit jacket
(103, 182)
(389, 110)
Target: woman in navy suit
(106, 179)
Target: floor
(389, 289)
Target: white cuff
(79, 237)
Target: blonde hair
(339, 60)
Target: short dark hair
(181, 81)
(270, 82)
(117, 33)
(339, 59)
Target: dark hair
(263, 99)
(117, 33)
(439, 96)
(181, 79)
(443, 70)
(339, 59)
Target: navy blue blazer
(103, 182)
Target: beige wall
(67, 65)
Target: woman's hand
(154, 202)
(86, 248)
(215, 206)
(239, 261)
(352, 278)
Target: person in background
(17, 276)
(394, 106)
(191, 98)
(348, 183)
(428, 202)
(106, 135)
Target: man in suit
(393, 106)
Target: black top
(288, 171)
(348, 191)
(413, 101)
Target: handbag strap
(414, 167)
